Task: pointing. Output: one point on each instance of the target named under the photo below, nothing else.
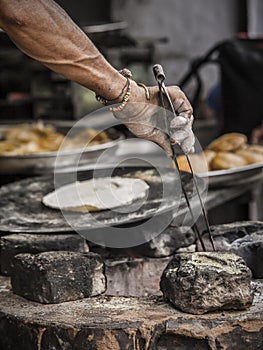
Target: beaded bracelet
(127, 96)
(105, 101)
(127, 74)
(124, 100)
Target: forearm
(44, 31)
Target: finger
(192, 150)
(161, 139)
(191, 120)
(185, 138)
(140, 129)
(178, 122)
(188, 143)
(183, 106)
(179, 135)
(151, 134)
(257, 136)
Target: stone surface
(164, 245)
(14, 244)
(226, 234)
(167, 242)
(242, 238)
(250, 248)
(119, 323)
(55, 277)
(136, 277)
(201, 282)
(136, 271)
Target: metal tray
(234, 177)
(44, 163)
(21, 208)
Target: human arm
(43, 30)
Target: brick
(14, 244)
(56, 277)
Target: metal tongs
(160, 78)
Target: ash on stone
(14, 244)
(55, 277)
(242, 238)
(165, 244)
(202, 282)
(224, 235)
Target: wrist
(115, 93)
(135, 105)
(128, 99)
(137, 93)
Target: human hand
(144, 118)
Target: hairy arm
(44, 31)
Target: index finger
(181, 103)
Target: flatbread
(24, 139)
(228, 142)
(227, 160)
(200, 162)
(97, 194)
(250, 155)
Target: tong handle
(159, 74)
(160, 78)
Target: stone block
(224, 235)
(14, 244)
(250, 248)
(166, 243)
(242, 238)
(201, 282)
(56, 277)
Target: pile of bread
(24, 139)
(227, 152)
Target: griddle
(21, 208)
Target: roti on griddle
(97, 194)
